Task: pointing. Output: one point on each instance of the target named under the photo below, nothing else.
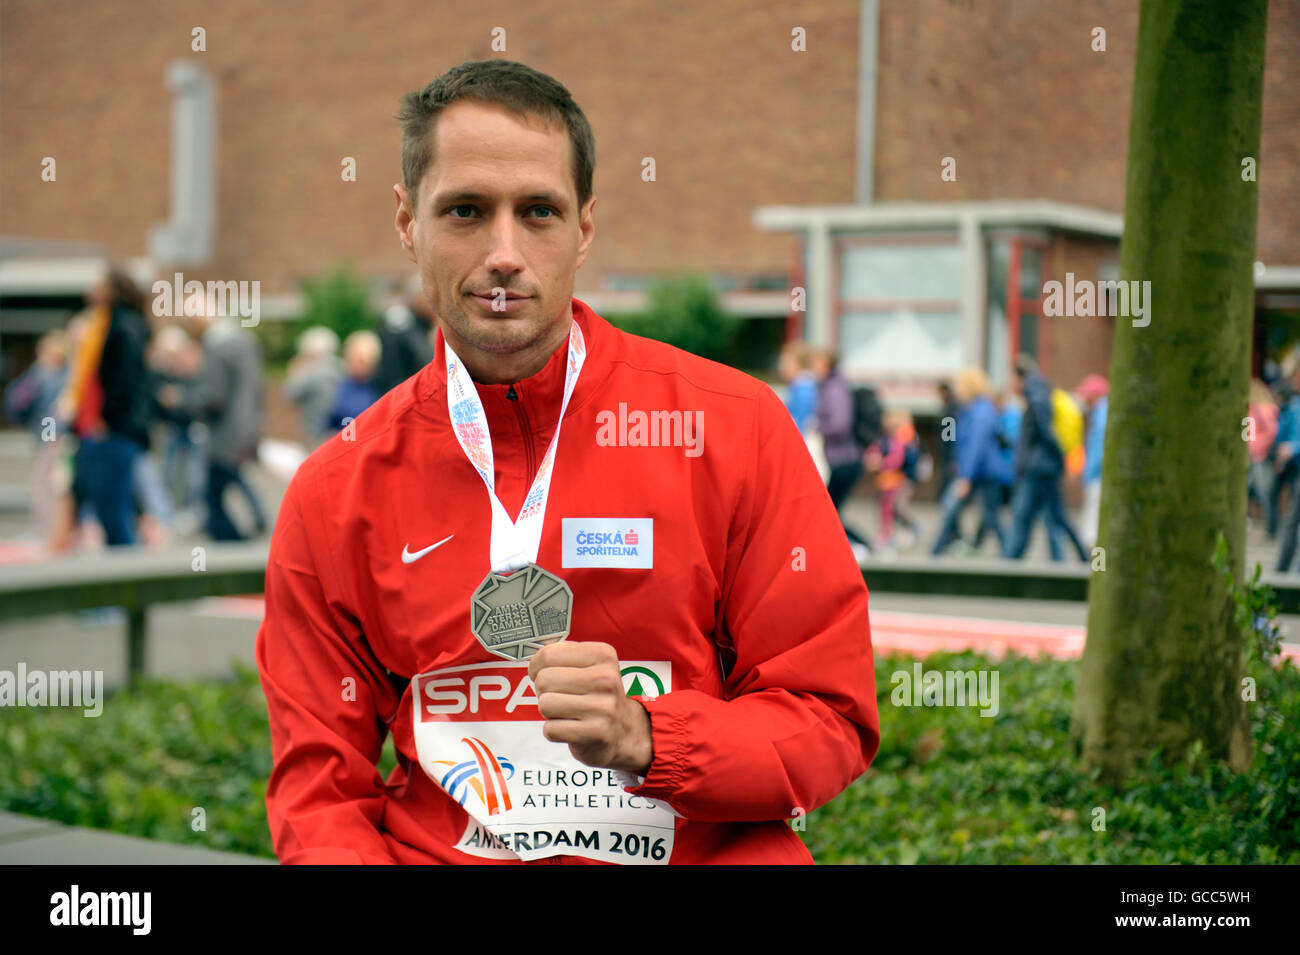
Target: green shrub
(339, 300)
(684, 312)
(947, 786)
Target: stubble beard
(497, 336)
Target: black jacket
(128, 397)
(1039, 454)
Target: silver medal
(514, 616)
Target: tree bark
(1164, 661)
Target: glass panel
(1029, 334)
(998, 341)
(1031, 265)
(910, 271)
(900, 342)
(999, 346)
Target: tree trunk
(1164, 661)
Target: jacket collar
(539, 394)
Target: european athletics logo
(486, 774)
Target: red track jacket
(734, 602)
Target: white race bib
(478, 735)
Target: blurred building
(795, 146)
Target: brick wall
(733, 117)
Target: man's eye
(453, 211)
(547, 209)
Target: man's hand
(961, 487)
(580, 694)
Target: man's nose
(504, 255)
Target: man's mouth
(512, 301)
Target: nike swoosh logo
(409, 558)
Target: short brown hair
(519, 88)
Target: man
(356, 393)
(716, 679)
(404, 335)
(312, 382)
(844, 453)
(1039, 467)
(227, 396)
(979, 469)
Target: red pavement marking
(913, 633)
(251, 607)
(923, 634)
(21, 552)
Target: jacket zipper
(527, 433)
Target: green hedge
(947, 786)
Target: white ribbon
(514, 542)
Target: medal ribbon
(514, 542)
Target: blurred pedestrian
(357, 391)
(227, 397)
(835, 423)
(1010, 414)
(1094, 393)
(109, 403)
(889, 458)
(405, 338)
(1286, 463)
(1263, 414)
(30, 401)
(978, 462)
(1040, 465)
(312, 382)
(949, 409)
(795, 368)
(176, 360)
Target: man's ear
(587, 225)
(405, 220)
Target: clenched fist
(580, 695)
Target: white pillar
(820, 290)
(189, 237)
(973, 291)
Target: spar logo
(485, 774)
(641, 681)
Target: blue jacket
(353, 398)
(1038, 455)
(1288, 422)
(802, 401)
(978, 455)
(1095, 441)
(1012, 415)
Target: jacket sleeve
(325, 799)
(798, 720)
(974, 432)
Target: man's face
(498, 210)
